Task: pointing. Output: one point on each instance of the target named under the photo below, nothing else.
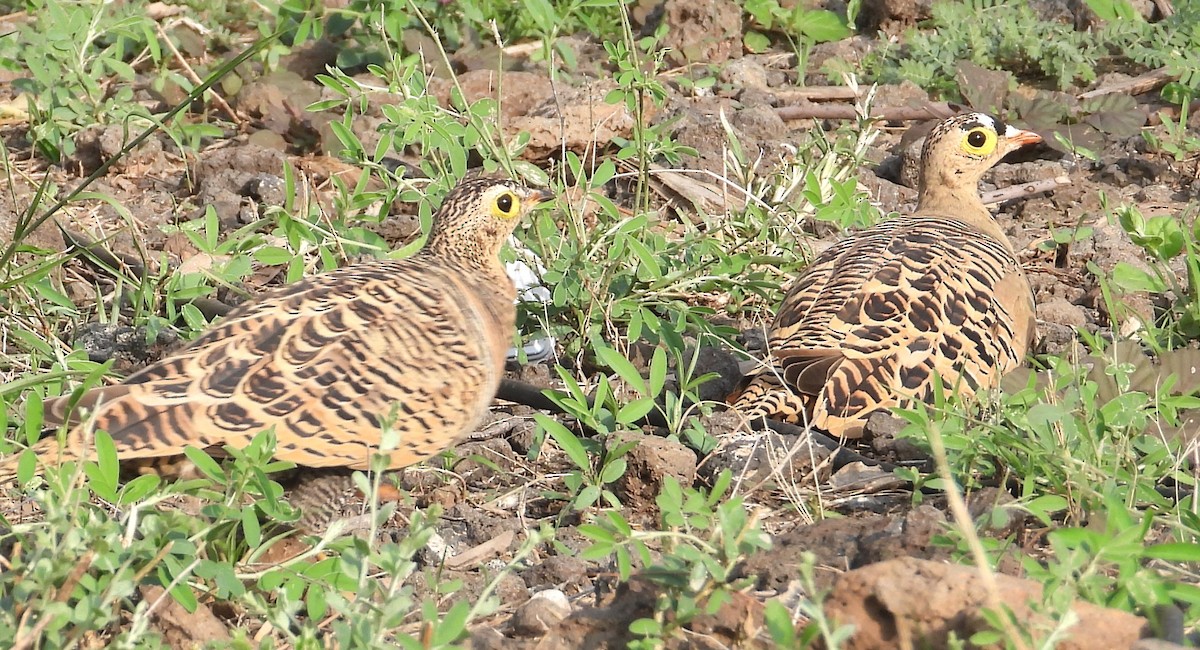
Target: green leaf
(779, 623)
(454, 624)
(181, 591)
(646, 627)
(1177, 93)
(105, 472)
(569, 443)
(587, 497)
(756, 42)
(315, 603)
(273, 255)
(1130, 278)
(763, 11)
(635, 410)
(27, 466)
(821, 25)
(603, 174)
(619, 524)
(648, 269)
(138, 489)
(205, 464)
(1131, 220)
(597, 533)
(34, 416)
(251, 527)
(1041, 507)
(658, 371)
(1113, 10)
(613, 471)
(1175, 552)
(622, 366)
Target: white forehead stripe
(1011, 131)
(984, 119)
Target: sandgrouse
(419, 342)
(881, 313)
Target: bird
(416, 343)
(883, 314)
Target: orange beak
(539, 195)
(1021, 137)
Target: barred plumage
(878, 315)
(326, 360)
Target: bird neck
(958, 197)
(465, 252)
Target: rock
(181, 628)
(894, 15)
(605, 626)
(223, 177)
(846, 543)
(1015, 173)
(1053, 338)
(703, 31)
(480, 463)
(861, 478)
(128, 346)
(540, 613)
(883, 430)
(918, 603)
(725, 364)
(1110, 246)
(649, 463)
(565, 572)
(853, 51)
(697, 124)
(1061, 312)
(759, 122)
(1157, 193)
(267, 189)
(1157, 644)
(97, 144)
(765, 459)
(743, 73)
(522, 91)
(488, 638)
(733, 625)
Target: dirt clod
(649, 463)
(542, 612)
(181, 629)
(564, 572)
(707, 31)
(878, 600)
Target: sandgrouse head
(479, 214)
(960, 149)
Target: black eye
(505, 203)
(976, 139)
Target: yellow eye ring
(979, 142)
(506, 205)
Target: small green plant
(1081, 445)
(703, 536)
(801, 26)
(70, 52)
(638, 87)
(372, 31)
(1166, 240)
(589, 483)
(1178, 140)
(993, 34)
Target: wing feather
(323, 361)
(877, 316)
